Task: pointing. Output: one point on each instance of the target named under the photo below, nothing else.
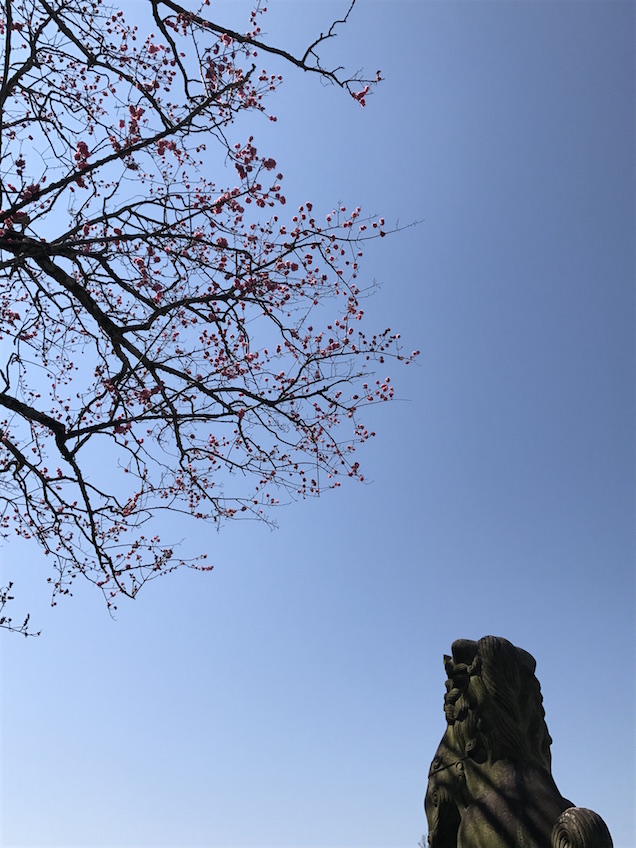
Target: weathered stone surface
(490, 783)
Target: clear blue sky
(293, 697)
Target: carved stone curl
(490, 783)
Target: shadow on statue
(490, 783)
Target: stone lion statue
(490, 783)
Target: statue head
(493, 702)
(490, 781)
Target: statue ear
(464, 650)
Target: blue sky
(293, 697)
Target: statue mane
(494, 704)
